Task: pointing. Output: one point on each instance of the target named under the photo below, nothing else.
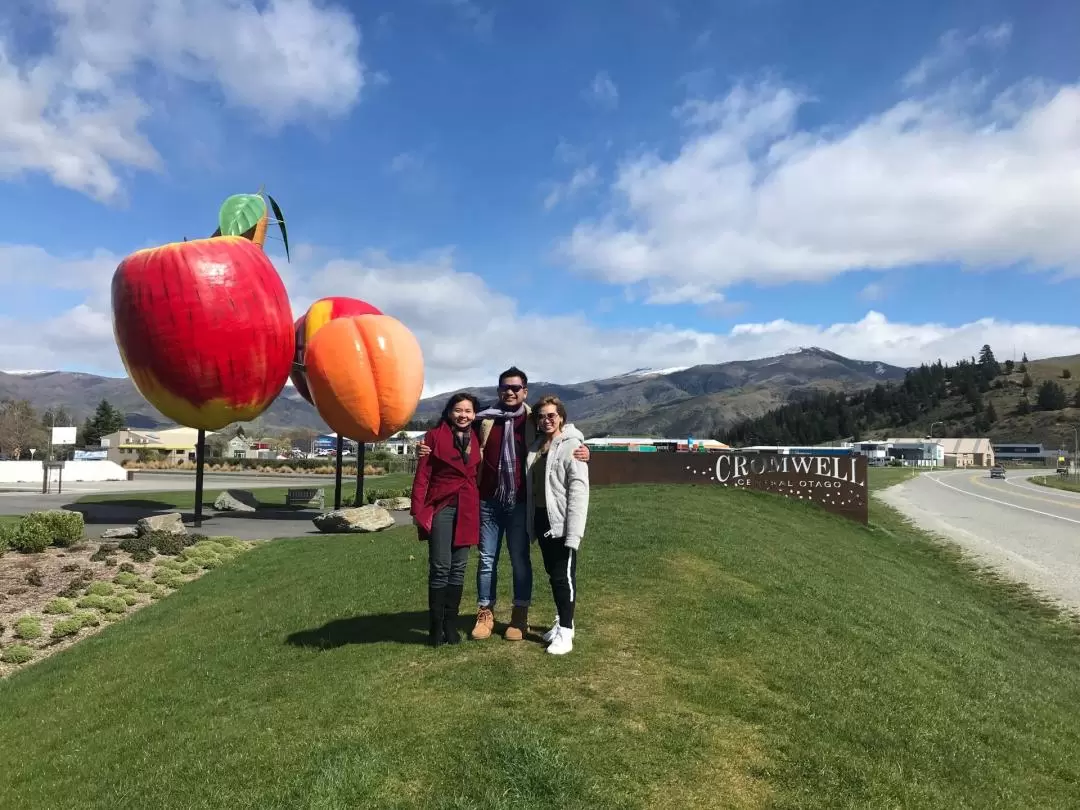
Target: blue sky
(578, 188)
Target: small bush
(129, 598)
(142, 555)
(93, 601)
(158, 592)
(28, 628)
(73, 589)
(69, 567)
(17, 654)
(87, 618)
(141, 543)
(100, 589)
(110, 562)
(7, 531)
(126, 579)
(174, 565)
(127, 568)
(146, 586)
(170, 544)
(60, 605)
(189, 568)
(35, 578)
(114, 604)
(64, 527)
(31, 536)
(105, 550)
(168, 578)
(67, 627)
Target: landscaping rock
(369, 518)
(121, 533)
(170, 522)
(395, 504)
(236, 500)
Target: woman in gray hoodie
(557, 487)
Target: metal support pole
(358, 500)
(200, 460)
(337, 471)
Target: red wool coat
(443, 479)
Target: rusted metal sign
(836, 483)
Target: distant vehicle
(1062, 465)
(997, 472)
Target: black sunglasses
(514, 388)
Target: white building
(175, 444)
(403, 443)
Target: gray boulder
(369, 518)
(170, 522)
(395, 504)
(236, 500)
(121, 533)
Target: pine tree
(1027, 382)
(1051, 396)
(1023, 407)
(1009, 366)
(991, 413)
(105, 421)
(1065, 374)
(1024, 358)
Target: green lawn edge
(734, 650)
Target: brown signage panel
(836, 483)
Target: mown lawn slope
(734, 650)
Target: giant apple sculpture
(365, 374)
(318, 315)
(204, 329)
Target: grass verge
(268, 497)
(734, 650)
(1069, 484)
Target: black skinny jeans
(560, 562)
(446, 564)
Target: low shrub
(73, 589)
(372, 495)
(143, 555)
(127, 568)
(69, 567)
(126, 579)
(31, 536)
(7, 531)
(114, 604)
(105, 550)
(110, 562)
(189, 568)
(158, 592)
(28, 628)
(100, 589)
(60, 605)
(129, 598)
(94, 601)
(146, 586)
(141, 543)
(17, 654)
(34, 577)
(87, 618)
(170, 544)
(65, 527)
(168, 578)
(174, 565)
(67, 627)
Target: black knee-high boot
(436, 606)
(451, 604)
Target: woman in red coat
(446, 508)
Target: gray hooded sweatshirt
(566, 486)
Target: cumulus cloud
(952, 47)
(469, 332)
(953, 176)
(583, 178)
(75, 112)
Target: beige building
(967, 452)
(175, 444)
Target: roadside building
(403, 443)
(916, 452)
(175, 445)
(1026, 452)
(968, 452)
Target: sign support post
(200, 460)
(337, 471)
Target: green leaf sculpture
(281, 224)
(240, 213)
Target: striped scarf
(506, 493)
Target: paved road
(18, 499)
(1030, 532)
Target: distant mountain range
(672, 402)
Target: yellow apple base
(211, 415)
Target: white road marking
(939, 482)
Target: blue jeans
(495, 521)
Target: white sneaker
(549, 636)
(562, 643)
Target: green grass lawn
(882, 477)
(1068, 483)
(734, 650)
(268, 497)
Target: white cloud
(602, 91)
(470, 332)
(950, 177)
(583, 178)
(75, 112)
(952, 48)
(874, 291)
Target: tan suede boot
(519, 624)
(485, 623)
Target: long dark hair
(454, 400)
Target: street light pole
(934, 464)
